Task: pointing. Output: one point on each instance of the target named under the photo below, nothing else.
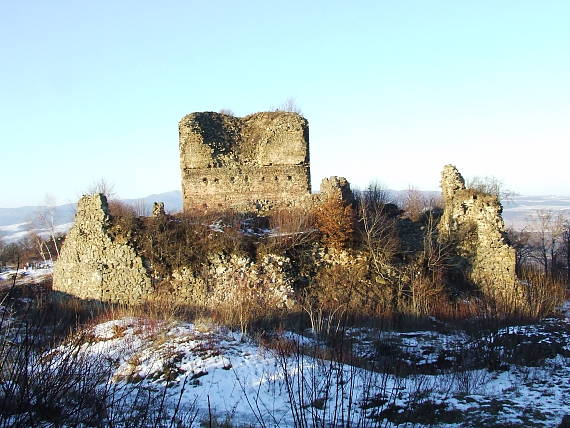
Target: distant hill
(14, 222)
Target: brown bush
(335, 220)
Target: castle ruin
(256, 162)
(473, 225)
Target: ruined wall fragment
(473, 224)
(93, 266)
(244, 163)
(335, 187)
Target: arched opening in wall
(276, 178)
(216, 180)
(246, 178)
(232, 179)
(205, 206)
(262, 178)
(289, 178)
(205, 180)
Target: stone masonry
(258, 161)
(92, 265)
(473, 224)
(255, 163)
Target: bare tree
(45, 219)
(140, 207)
(40, 244)
(377, 225)
(102, 186)
(566, 247)
(521, 242)
(549, 230)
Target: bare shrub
(289, 105)
(250, 305)
(290, 228)
(346, 290)
(543, 294)
(121, 209)
(491, 186)
(172, 242)
(421, 296)
(415, 203)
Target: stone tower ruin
(472, 223)
(250, 163)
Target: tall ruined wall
(472, 222)
(244, 163)
(92, 265)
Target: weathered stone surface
(260, 160)
(158, 209)
(337, 187)
(232, 278)
(472, 222)
(93, 266)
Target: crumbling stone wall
(261, 160)
(473, 224)
(335, 187)
(231, 278)
(94, 266)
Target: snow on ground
(420, 378)
(212, 369)
(26, 275)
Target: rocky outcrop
(472, 223)
(94, 266)
(258, 161)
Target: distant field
(518, 211)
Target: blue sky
(393, 90)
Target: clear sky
(393, 90)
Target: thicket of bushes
(366, 260)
